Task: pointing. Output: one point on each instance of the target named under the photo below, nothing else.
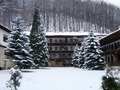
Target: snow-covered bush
(111, 81)
(15, 79)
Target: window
(66, 48)
(54, 55)
(112, 47)
(56, 40)
(109, 47)
(50, 48)
(69, 55)
(71, 40)
(66, 40)
(105, 48)
(61, 40)
(56, 48)
(112, 59)
(60, 55)
(118, 44)
(108, 59)
(5, 37)
(50, 40)
(71, 48)
(115, 45)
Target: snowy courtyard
(56, 79)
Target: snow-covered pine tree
(27, 61)
(38, 41)
(81, 54)
(75, 58)
(92, 54)
(18, 45)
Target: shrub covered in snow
(111, 81)
(15, 79)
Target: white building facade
(4, 33)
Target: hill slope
(65, 15)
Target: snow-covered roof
(70, 33)
(80, 33)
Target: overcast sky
(115, 2)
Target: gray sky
(115, 2)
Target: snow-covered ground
(56, 79)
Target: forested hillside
(65, 15)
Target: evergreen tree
(38, 41)
(92, 54)
(18, 45)
(75, 58)
(81, 54)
